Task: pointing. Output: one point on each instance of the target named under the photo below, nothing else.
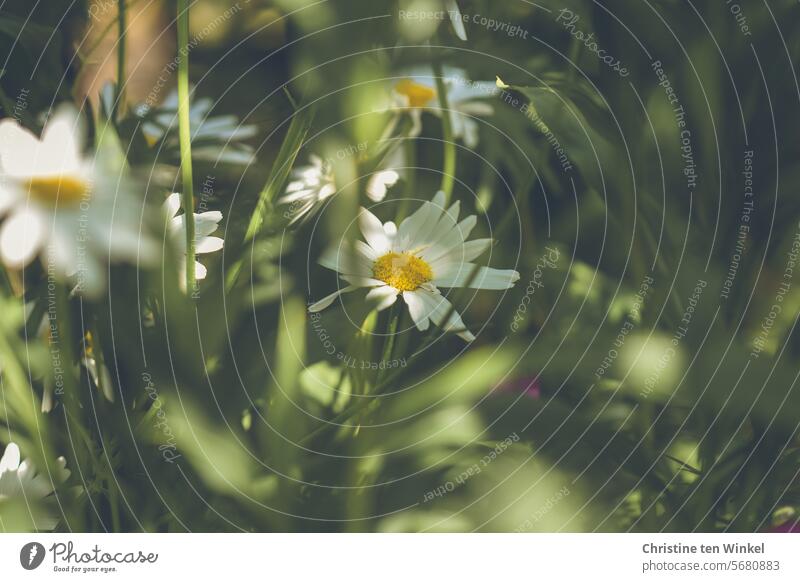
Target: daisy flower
(20, 481)
(427, 251)
(205, 223)
(80, 210)
(416, 93)
(311, 185)
(215, 139)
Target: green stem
(388, 346)
(186, 139)
(119, 105)
(410, 148)
(449, 167)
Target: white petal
(366, 251)
(414, 229)
(21, 237)
(456, 19)
(327, 301)
(172, 204)
(453, 238)
(417, 309)
(10, 459)
(384, 296)
(7, 197)
(326, 191)
(296, 195)
(18, 149)
(461, 253)
(457, 275)
(379, 184)
(209, 244)
(363, 281)
(343, 260)
(427, 230)
(438, 307)
(206, 222)
(200, 271)
(372, 229)
(62, 140)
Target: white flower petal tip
(456, 19)
(328, 301)
(379, 184)
(467, 336)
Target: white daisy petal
(383, 296)
(390, 228)
(343, 260)
(294, 196)
(172, 205)
(373, 232)
(411, 225)
(366, 251)
(363, 281)
(7, 198)
(21, 237)
(379, 184)
(438, 307)
(209, 244)
(426, 227)
(453, 239)
(62, 139)
(206, 222)
(463, 253)
(18, 150)
(328, 301)
(10, 459)
(200, 271)
(457, 275)
(456, 19)
(417, 309)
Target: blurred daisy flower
(416, 93)
(310, 186)
(205, 223)
(214, 138)
(82, 211)
(428, 251)
(21, 482)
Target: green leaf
(278, 177)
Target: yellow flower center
(403, 271)
(54, 189)
(418, 95)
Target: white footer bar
(402, 557)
